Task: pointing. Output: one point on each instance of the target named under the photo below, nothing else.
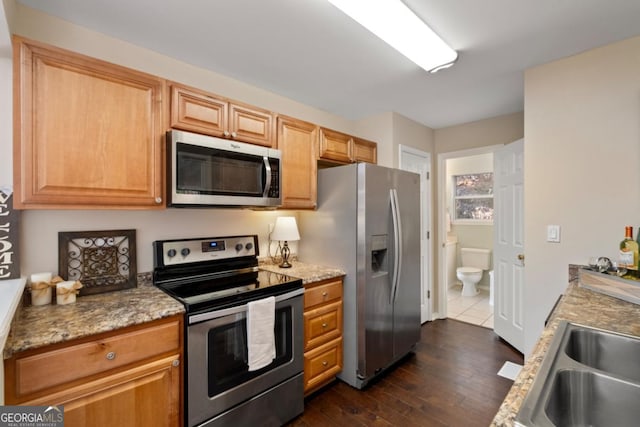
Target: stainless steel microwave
(208, 171)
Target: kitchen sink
(589, 377)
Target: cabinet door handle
(158, 200)
(175, 363)
(111, 355)
(226, 133)
(234, 134)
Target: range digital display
(213, 246)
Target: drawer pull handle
(111, 355)
(324, 294)
(324, 363)
(324, 325)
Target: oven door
(217, 372)
(206, 170)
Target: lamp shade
(285, 229)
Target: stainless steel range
(215, 279)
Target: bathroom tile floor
(475, 310)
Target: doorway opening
(466, 226)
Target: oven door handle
(196, 318)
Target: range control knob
(248, 246)
(185, 251)
(238, 247)
(171, 253)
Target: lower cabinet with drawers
(322, 333)
(128, 377)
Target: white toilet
(474, 260)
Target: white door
(508, 247)
(420, 162)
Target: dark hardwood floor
(451, 380)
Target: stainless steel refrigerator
(368, 224)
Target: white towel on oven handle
(261, 340)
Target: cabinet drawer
(322, 364)
(322, 324)
(44, 370)
(323, 293)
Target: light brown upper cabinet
(87, 133)
(202, 112)
(297, 140)
(338, 147)
(365, 151)
(335, 146)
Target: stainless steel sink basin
(589, 377)
(605, 351)
(582, 398)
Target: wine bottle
(628, 257)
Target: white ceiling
(308, 51)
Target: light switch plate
(553, 233)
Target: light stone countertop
(38, 326)
(309, 273)
(578, 305)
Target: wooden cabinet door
(87, 133)
(147, 395)
(365, 151)
(335, 146)
(298, 142)
(251, 124)
(196, 111)
(202, 112)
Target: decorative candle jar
(40, 288)
(66, 291)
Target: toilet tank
(476, 257)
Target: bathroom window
(473, 198)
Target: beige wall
(379, 128)
(481, 133)
(6, 153)
(410, 133)
(582, 151)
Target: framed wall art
(104, 261)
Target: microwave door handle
(267, 176)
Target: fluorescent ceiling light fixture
(396, 24)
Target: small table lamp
(285, 230)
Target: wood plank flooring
(451, 380)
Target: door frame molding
(441, 312)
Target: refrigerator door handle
(397, 242)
